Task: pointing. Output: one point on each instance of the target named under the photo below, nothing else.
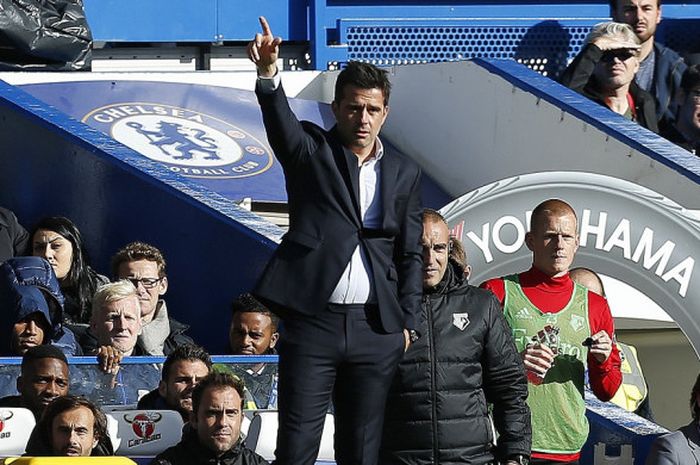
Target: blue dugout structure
(541, 34)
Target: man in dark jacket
(13, 237)
(215, 436)
(32, 308)
(660, 68)
(144, 265)
(437, 407)
(604, 71)
(685, 131)
(184, 368)
(44, 377)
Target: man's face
(144, 276)
(183, 376)
(29, 332)
(435, 240)
(616, 68)
(360, 115)
(553, 243)
(73, 433)
(642, 15)
(689, 113)
(218, 419)
(119, 324)
(251, 333)
(42, 381)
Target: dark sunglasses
(622, 55)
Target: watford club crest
(460, 320)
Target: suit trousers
(342, 353)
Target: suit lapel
(691, 432)
(347, 165)
(389, 175)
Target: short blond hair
(613, 30)
(112, 292)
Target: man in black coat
(346, 277)
(13, 237)
(215, 433)
(437, 407)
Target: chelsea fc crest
(186, 142)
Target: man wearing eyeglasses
(686, 130)
(144, 265)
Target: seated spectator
(686, 130)
(13, 237)
(604, 72)
(32, 305)
(43, 378)
(184, 368)
(71, 427)
(215, 436)
(144, 266)
(253, 331)
(58, 240)
(681, 447)
(115, 321)
(633, 394)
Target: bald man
(560, 329)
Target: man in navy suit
(347, 277)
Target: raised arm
(264, 50)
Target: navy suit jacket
(325, 225)
(681, 447)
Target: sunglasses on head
(621, 54)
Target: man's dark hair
(138, 251)
(613, 5)
(694, 409)
(691, 78)
(217, 380)
(64, 404)
(246, 303)
(363, 76)
(189, 352)
(42, 351)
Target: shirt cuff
(268, 85)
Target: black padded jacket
(190, 452)
(437, 410)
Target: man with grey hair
(604, 72)
(114, 325)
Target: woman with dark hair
(58, 240)
(681, 447)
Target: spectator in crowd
(604, 72)
(215, 436)
(686, 129)
(71, 427)
(554, 318)
(183, 369)
(13, 237)
(467, 341)
(253, 331)
(115, 320)
(680, 447)
(32, 303)
(660, 68)
(43, 378)
(58, 240)
(633, 394)
(144, 266)
(344, 336)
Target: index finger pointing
(265, 27)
